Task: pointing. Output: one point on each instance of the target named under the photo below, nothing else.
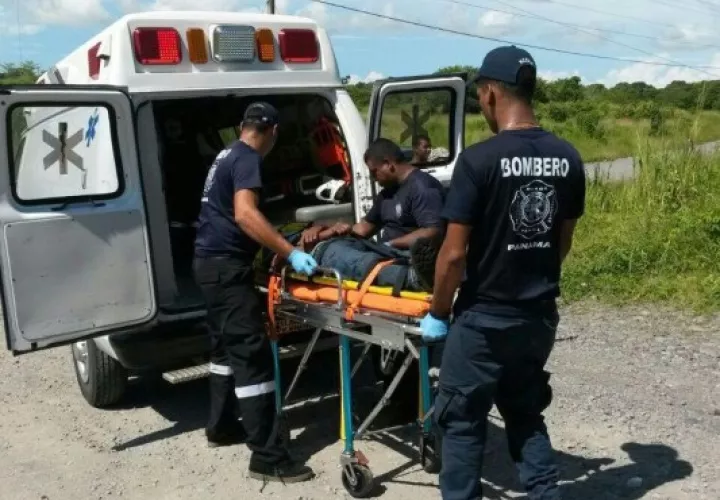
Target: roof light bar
(299, 46)
(232, 43)
(157, 46)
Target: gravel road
(636, 415)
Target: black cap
(262, 113)
(504, 63)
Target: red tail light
(298, 46)
(157, 46)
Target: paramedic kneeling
(407, 208)
(511, 210)
(231, 230)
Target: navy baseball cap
(504, 63)
(261, 112)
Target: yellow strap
(354, 285)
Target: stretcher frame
(394, 333)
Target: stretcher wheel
(363, 484)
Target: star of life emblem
(533, 209)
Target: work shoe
(285, 472)
(423, 256)
(226, 438)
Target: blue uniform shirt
(515, 190)
(415, 203)
(235, 168)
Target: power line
(592, 30)
(613, 14)
(508, 42)
(712, 5)
(575, 27)
(686, 7)
(618, 32)
(531, 15)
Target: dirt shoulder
(636, 415)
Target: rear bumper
(166, 347)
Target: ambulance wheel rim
(80, 351)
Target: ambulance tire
(102, 379)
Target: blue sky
(367, 47)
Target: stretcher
(373, 316)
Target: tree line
(678, 94)
(639, 98)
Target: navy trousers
(496, 354)
(241, 364)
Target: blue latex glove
(302, 262)
(434, 329)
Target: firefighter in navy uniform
(231, 230)
(511, 210)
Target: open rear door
(408, 108)
(74, 249)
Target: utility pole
(271, 6)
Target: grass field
(655, 238)
(596, 139)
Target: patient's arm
(315, 234)
(407, 240)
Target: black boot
(284, 472)
(232, 436)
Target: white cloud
(344, 22)
(222, 5)
(660, 76)
(9, 25)
(127, 6)
(66, 12)
(371, 77)
(281, 6)
(686, 35)
(316, 11)
(550, 75)
(494, 23)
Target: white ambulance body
(104, 160)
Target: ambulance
(104, 160)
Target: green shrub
(557, 112)
(655, 238)
(589, 123)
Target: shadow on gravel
(588, 478)
(185, 406)
(654, 464)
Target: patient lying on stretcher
(405, 217)
(356, 258)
